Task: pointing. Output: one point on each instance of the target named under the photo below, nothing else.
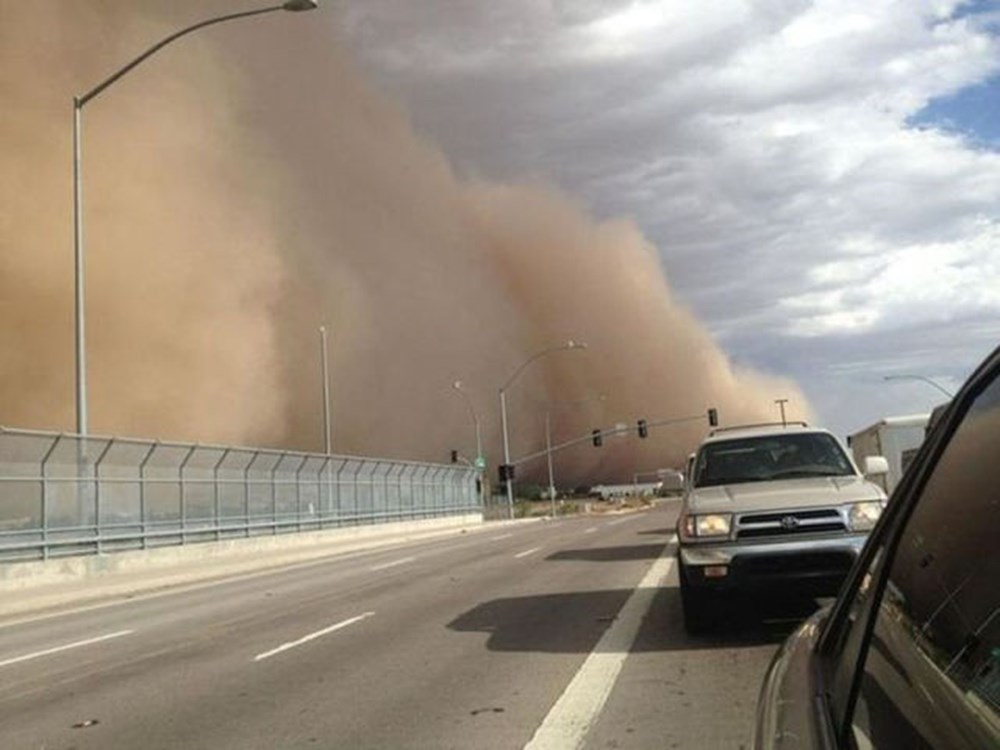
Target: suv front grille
(789, 523)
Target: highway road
(545, 635)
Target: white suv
(768, 507)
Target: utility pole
(781, 404)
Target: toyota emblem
(788, 523)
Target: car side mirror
(876, 466)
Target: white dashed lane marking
(64, 647)
(527, 552)
(311, 636)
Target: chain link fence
(63, 495)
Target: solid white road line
(527, 552)
(66, 647)
(591, 530)
(577, 709)
(502, 536)
(312, 636)
(393, 564)
(622, 520)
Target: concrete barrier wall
(41, 583)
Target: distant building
(638, 489)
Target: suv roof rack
(717, 430)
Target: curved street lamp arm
(567, 346)
(467, 399)
(81, 100)
(924, 379)
(475, 417)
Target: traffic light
(643, 428)
(454, 456)
(596, 437)
(713, 418)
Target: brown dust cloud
(249, 184)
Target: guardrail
(62, 495)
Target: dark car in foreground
(908, 657)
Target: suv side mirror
(876, 466)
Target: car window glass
(931, 674)
(770, 458)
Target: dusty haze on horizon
(247, 185)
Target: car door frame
(843, 644)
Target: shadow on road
(746, 622)
(574, 622)
(657, 532)
(611, 554)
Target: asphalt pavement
(556, 634)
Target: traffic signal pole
(600, 434)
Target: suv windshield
(760, 459)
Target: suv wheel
(701, 608)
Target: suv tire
(701, 607)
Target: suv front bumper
(812, 565)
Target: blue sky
(972, 112)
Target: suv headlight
(862, 516)
(708, 526)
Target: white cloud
(762, 146)
(894, 287)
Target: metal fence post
(216, 504)
(43, 465)
(142, 493)
(454, 489)
(298, 492)
(445, 490)
(182, 486)
(274, 493)
(97, 492)
(319, 490)
(343, 465)
(423, 492)
(386, 509)
(359, 506)
(246, 493)
(427, 495)
(399, 491)
(440, 493)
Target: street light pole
(78, 247)
(569, 345)
(781, 403)
(924, 379)
(326, 391)
(506, 453)
(548, 456)
(548, 441)
(457, 385)
(78, 274)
